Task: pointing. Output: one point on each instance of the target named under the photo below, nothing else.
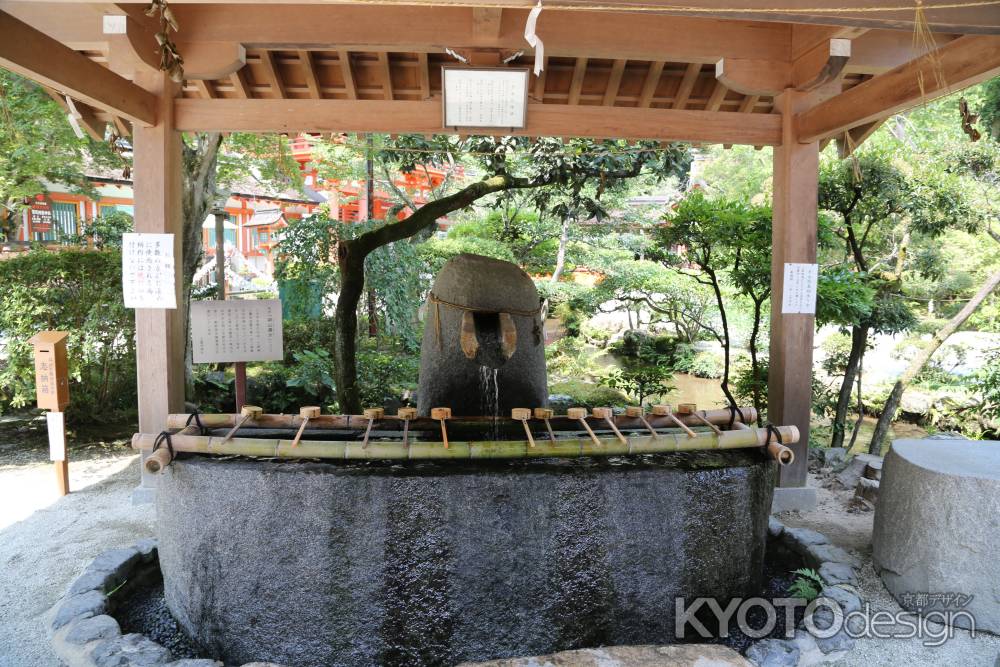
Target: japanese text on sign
(229, 331)
(799, 292)
(484, 97)
(148, 271)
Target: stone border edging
(837, 569)
(85, 635)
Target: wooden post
(796, 186)
(220, 253)
(158, 209)
(52, 392)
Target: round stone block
(436, 563)
(937, 527)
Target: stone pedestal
(937, 526)
(313, 564)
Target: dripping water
(489, 391)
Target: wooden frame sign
(51, 370)
(236, 330)
(482, 97)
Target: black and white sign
(484, 97)
(148, 279)
(230, 331)
(799, 292)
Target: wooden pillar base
(62, 477)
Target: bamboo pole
(700, 417)
(428, 450)
(559, 422)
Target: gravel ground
(46, 541)
(853, 531)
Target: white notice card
(228, 331)
(799, 292)
(148, 279)
(57, 435)
(484, 97)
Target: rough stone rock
(132, 650)
(809, 653)
(93, 580)
(817, 554)
(801, 538)
(468, 386)
(833, 456)
(867, 489)
(147, 549)
(438, 563)
(936, 525)
(91, 629)
(854, 470)
(84, 605)
(116, 560)
(774, 527)
(838, 573)
(200, 662)
(774, 653)
(874, 469)
(677, 655)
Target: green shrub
(80, 292)
(384, 376)
(307, 334)
(588, 395)
(706, 364)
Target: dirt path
(46, 541)
(853, 531)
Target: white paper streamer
(74, 117)
(533, 39)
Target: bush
(586, 395)
(706, 365)
(80, 292)
(383, 377)
(307, 334)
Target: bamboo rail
(505, 449)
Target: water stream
(489, 390)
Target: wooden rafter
(540, 81)
(717, 97)
(205, 88)
(852, 139)
(424, 74)
(345, 70)
(576, 85)
(273, 77)
(687, 85)
(309, 71)
(651, 82)
(300, 115)
(961, 63)
(749, 103)
(385, 72)
(614, 82)
(241, 86)
(88, 121)
(33, 54)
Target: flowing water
(489, 390)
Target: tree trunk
(755, 362)
(370, 212)
(919, 361)
(859, 339)
(352, 285)
(560, 264)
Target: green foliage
(989, 115)
(807, 585)
(571, 357)
(78, 292)
(586, 395)
(307, 334)
(312, 371)
(642, 381)
(842, 297)
(435, 252)
(386, 376)
(105, 231)
(987, 385)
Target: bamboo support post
(248, 412)
(350, 450)
(406, 414)
(701, 417)
(545, 415)
(157, 461)
(523, 415)
(305, 414)
(606, 414)
(442, 415)
(372, 414)
(580, 414)
(636, 412)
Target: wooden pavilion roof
(647, 70)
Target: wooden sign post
(52, 391)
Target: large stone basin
(311, 564)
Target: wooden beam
(124, 129)
(963, 62)
(348, 74)
(576, 85)
(687, 85)
(752, 76)
(852, 139)
(309, 70)
(486, 22)
(88, 121)
(821, 66)
(240, 84)
(749, 103)
(205, 88)
(614, 82)
(540, 81)
(273, 76)
(717, 97)
(386, 74)
(37, 56)
(651, 82)
(196, 115)
(793, 240)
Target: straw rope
(438, 302)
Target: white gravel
(46, 541)
(853, 531)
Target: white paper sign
(799, 291)
(148, 279)
(484, 97)
(57, 435)
(227, 331)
